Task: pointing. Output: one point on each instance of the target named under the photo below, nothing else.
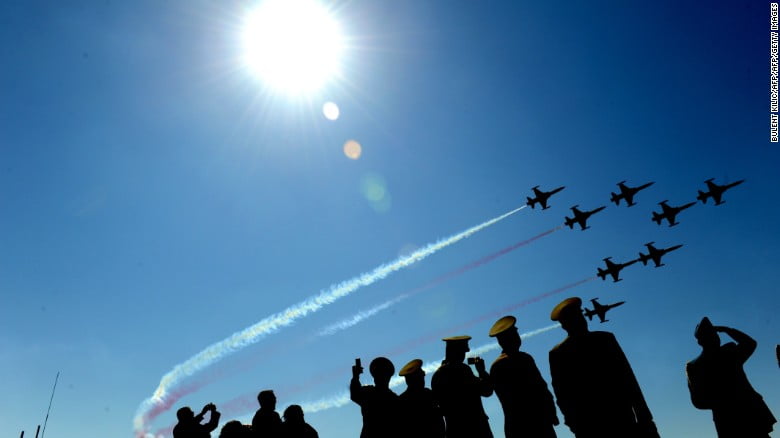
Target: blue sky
(155, 197)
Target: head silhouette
(267, 399)
(381, 370)
(413, 373)
(234, 429)
(293, 414)
(706, 335)
(505, 332)
(456, 349)
(185, 414)
(569, 313)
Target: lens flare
(352, 149)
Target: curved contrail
(161, 401)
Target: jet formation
(627, 193)
(600, 310)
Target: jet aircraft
(600, 310)
(613, 269)
(581, 217)
(669, 213)
(628, 193)
(716, 191)
(655, 254)
(542, 197)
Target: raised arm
(745, 344)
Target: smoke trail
(161, 400)
(365, 314)
(249, 398)
(342, 398)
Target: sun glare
(294, 46)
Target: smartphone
(357, 363)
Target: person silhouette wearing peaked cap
(529, 410)
(189, 425)
(378, 403)
(459, 392)
(420, 414)
(593, 382)
(717, 382)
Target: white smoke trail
(275, 322)
(342, 398)
(360, 316)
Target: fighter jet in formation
(655, 254)
(542, 197)
(670, 213)
(613, 269)
(716, 191)
(600, 310)
(581, 217)
(628, 193)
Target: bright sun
(293, 45)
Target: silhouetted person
(718, 382)
(378, 404)
(234, 429)
(459, 392)
(594, 385)
(189, 424)
(266, 422)
(529, 410)
(420, 415)
(294, 425)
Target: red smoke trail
(175, 395)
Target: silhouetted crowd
(594, 386)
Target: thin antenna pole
(22, 435)
(49, 410)
(37, 430)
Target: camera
(472, 360)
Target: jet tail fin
(531, 202)
(643, 258)
(702, 197)
(615, 198)
(657, 218)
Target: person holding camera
(378, 403)
(459, 392)
(189, 425)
